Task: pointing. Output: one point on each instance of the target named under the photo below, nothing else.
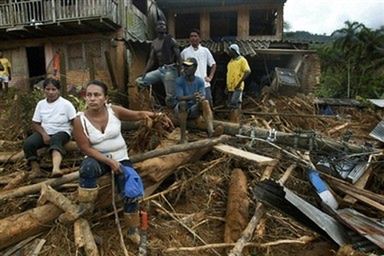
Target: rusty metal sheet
(370, 228)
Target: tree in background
(353, 64)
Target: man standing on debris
(5, 72)
(97, 132)
(204, 58)
(165, 52)
(237, 71)
(52, 121)
(190, 94)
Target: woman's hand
(115, 165)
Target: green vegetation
(353, 64)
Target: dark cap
(190, 62)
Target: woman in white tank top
(97, 132)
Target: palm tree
(349, 43)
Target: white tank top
(110, 143)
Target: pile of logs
(244, 221)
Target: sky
(326, 16)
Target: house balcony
(45, 18)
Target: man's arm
(38, 128)
(211, 73)
(245, 75)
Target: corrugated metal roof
(247, 47)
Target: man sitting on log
(190, 95)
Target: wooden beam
(261, 160)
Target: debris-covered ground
(188, 210)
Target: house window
(184, 22)
(262, 22)
(78, 54)
(223, 24)
(141, 5)
(75, 56)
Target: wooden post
(110, 69)
(204, 25)
(243, 22)
(63, 74)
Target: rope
(117, 221)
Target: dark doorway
(36, 64)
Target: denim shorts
(235, 98)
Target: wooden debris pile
(200, 196)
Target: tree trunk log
(153, 172)
(15, 182)
(237, 207)
(20, 226)
(72, 211)
(180, 154)
(257, 216)
(35, 188)
(17, 156)
(84, 237)
(290, 139)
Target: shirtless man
(165, 52)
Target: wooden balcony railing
(38, 12)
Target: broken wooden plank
(345, 186)
(337, 128)
(261, 160)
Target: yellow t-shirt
(235, 71)
(6, 64)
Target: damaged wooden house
(84, 39)
(286, 65)
(285, 181)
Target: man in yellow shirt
(237, 71)
(5, 72)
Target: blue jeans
(235, 99)
(35, 142)
(167, 75)
(193, 111)
(91, 169)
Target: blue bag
(133, 187)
